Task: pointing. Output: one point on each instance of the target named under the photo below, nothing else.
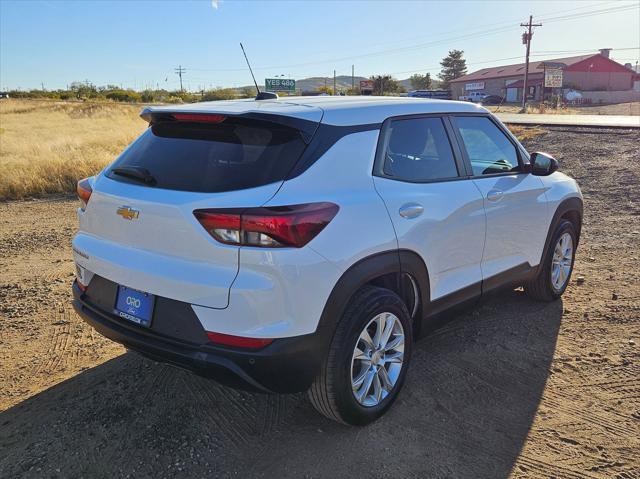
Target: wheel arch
(398, 270)
(570, 209)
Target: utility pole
(526, 39)
(334, 82)
(353, 83)
(180, 71)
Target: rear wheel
(368, 359)
(553, 278)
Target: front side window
(488, 149)
(418, 149)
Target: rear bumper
(287, 365)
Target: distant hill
(343, 82)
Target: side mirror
(542, 164)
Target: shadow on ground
(470, 398)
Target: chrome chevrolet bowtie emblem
(128, 213)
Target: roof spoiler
(306, 128)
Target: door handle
(495, 195)
(411, 210)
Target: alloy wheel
(377, 359)
(562, 261)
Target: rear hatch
(138, 228)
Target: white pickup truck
(474, 96)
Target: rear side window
(213, 157)
(489, 150)
(418, 150)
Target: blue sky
(139, 43)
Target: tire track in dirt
(243, 418)
(150, 385)
(617, 428)
(547, 469)
(62, 270)
(631, 474)
(58, 344)
(202, 394)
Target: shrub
(147, 96)
(123, 95)
(219, 94)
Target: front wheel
(557, 265)
(367, 361)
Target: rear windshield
(213, 157)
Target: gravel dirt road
(505, 388)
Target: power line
(591, 13)
(506, 22)
(466, 36)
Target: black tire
(541, 288)
(331, 393)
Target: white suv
(304, 243)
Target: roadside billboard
(553, 78)
(279, 84)
(366, 85)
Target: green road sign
(279, 84)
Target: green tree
(420, 82)
(383, 84)
(453, 66)
(84, 90)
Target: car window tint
(419, 150)
(489, 150)
(232, 155)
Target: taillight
(84, 191)
(238, 341)
(81, 286)
(271, 227)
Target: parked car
(285, 246)
(492, 100)
(474, 96)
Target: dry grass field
(630, 108)
(45, 146)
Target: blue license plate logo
(134, 305)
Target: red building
(591, 74)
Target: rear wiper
(135, 173)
